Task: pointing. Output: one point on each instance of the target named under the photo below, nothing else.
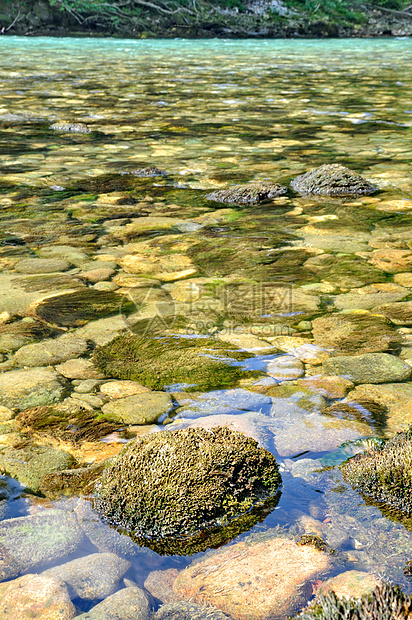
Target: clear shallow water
(212, 113)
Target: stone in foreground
(35, 596)
(172, 486)
(270, 579)
(385, 475)
(248, 194)
(332, 180)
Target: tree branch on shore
(16, 19)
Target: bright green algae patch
(166, 488)
(157, 362)
(384, 475)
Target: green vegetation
(158, 362)
(175, 490)
(384, 475)
(385, 603)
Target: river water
(210, 114)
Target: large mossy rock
(178, 485)
(157, 362)
(384, 475)
(332, 180)
(248, 194)
(385, 603)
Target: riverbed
(108, 151)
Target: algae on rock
(166, 488)
(385, 603)
(332, 180)
(384, 475)
(157, 362)
(248, 194)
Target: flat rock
(160, 585)
(350, 584)
(256, 581)
(47, 536)
(50, 352)
(79, 369)
(399, 313)
(41, 265)
(167, 268)
(102, 331)
(330, 387)
(248, 194)
(30, 464)
(396, 398)
(369, 368)
(345, 333)
(22, 389)
(143, 408)
(97, 275)
(122, 389)
(392, 260)
(91, 577)
(127, 604)
(35, 596)
(285, 368)
(332, 180)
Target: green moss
(318, 543)
(80, 307)
(157, 362)
(175, 491)
(385, 603)
(384, 475)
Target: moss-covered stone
(168, 489)
(332, 180)
(72, 424)
(157, 362)
(80, 307)
(384, 475)
(249, 194)
(385, 603)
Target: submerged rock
(70, 127)
(332, 180)
(139, 409)
(32, 387)
(92, 577)
(385, 603)
(127, 604)
(256, 581)
(346, 333)
(29, 542)
(149, 171)
(368, 368)
(383, 475)
(248, 194)
(158, 362)
(30, 464)
(35, 596)
(209, 479)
